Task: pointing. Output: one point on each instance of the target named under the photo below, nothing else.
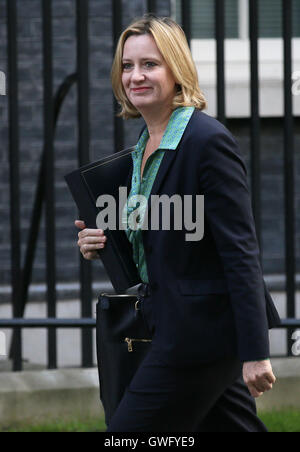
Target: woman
(204, 301)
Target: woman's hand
(258, 376)
(90, 240)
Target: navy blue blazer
(209, 297)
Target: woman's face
(147, 80)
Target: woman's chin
(141, 102)
(144, 105)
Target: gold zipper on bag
(130, 340)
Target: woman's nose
(137, 75)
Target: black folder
(104, 177)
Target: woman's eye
(129, 66)
(150, 64)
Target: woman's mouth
(140, 89)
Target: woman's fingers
(90, 255)
(79, 224)
(254, 391)
(90, 233)
(270, 377)
(90, 240)
(258, 376)
(92, 247)
(89, 250)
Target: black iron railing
(21, 277)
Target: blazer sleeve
(228, 211)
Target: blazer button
(149, 249)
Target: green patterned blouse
(132, 221)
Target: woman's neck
(157, 125)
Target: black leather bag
(123, 340)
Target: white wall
(237, 75)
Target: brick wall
(101, 128)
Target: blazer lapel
(128, 182)
(165, 165)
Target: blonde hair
(172, 44)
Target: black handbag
(122, 339)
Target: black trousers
(212, 397)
